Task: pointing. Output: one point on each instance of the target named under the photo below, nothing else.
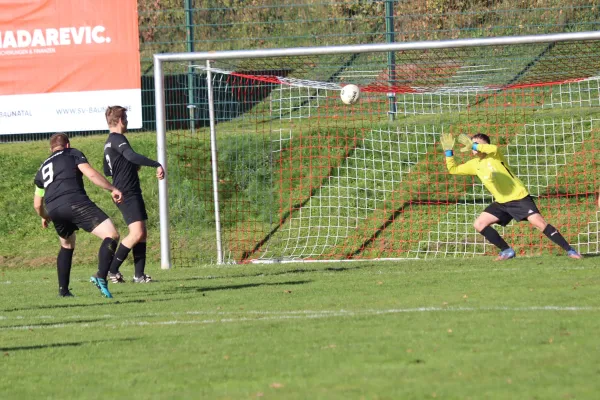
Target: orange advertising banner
(61, 49)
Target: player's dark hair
(114, 114)
(59, 140)
(482, 136)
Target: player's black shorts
(519, 210)
(67, 218)
(133, 208)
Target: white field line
(251, 316)
(325, 272)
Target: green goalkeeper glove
(447, 141)
(466, 141)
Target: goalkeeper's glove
(447, 141)
(467, 142)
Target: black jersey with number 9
(61, 178)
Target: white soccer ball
(350, 94)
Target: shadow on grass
(67, 344)
(58, 306)
(590, 255)
(259, 274)
(187, 289)
(40, 324)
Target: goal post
(278, 169)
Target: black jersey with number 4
(121, 162)
(61, 178)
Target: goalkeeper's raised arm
(489, 165)
(468, 168)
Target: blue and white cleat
(506, 255)
(102, 285)
(574, 254)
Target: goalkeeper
(512, 198)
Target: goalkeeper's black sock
(494, 238)
(553, 234)
(120, 256)
(139, 258)
(105, 256)
(63, 266)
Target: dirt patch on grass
(22, 262)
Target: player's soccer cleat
(574, 254)
(116, 278)
(142, 279)
(66, 294)
(102, 285)
(506, 255)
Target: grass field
(458, 329)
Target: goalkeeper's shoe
(102, 285)
(65, 294)
(142, 279)
(574, 254)
(116, 278)
(506, 255)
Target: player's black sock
(553, 234)
(120, 256)
(63, 266)
(139, 258)
(494, 238)
(105, 256)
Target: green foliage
(238, 24)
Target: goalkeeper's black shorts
(519, 210)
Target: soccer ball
(350, 94)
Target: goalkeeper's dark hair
(482, 136)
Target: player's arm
(38, 205)
(485, 148)
(471, 145)
(97, 179)
(447, 141)
(139, 160)
(468, 168)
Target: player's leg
(483, 224)
(61, 219)
(137, 233)
(553, 234)
(109, 235)
(92, 219)
(139, 255)
(63, 264)
(134, 213)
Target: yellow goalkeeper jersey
(494, 173)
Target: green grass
(453, 329)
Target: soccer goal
(274, 167)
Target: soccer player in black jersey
(60, 197)
(122, 163)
